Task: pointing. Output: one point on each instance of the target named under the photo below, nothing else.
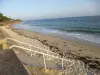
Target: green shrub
(4, 18)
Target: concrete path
(36, 61)
(10, 64)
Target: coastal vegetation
(4, 18)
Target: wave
(84, 30)
(78, 33)
(80, 30)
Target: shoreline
(75, 39)
(68, 48)
(54, 39)
(49, 37)
(65, 36)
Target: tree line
(4, 18)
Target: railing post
(44, 62)
(62, 61)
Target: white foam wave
(89, 37)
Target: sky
(38, 9)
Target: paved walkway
(36, 61)
(10, 64)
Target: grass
(3, 45)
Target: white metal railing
(72, 69)
(47, 51)
(48, 54)
(44, 54)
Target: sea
(84, 28)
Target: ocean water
(86, 28)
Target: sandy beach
(89, 54)
(51, 37)
(72, 49)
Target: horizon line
(64, 17)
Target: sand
(1, 36)
(68, 48)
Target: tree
(4, 18)
(1, 16)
